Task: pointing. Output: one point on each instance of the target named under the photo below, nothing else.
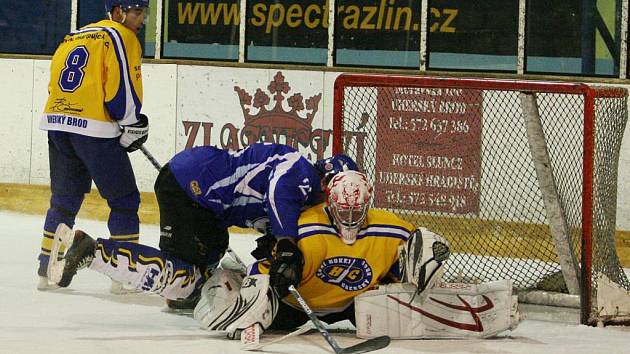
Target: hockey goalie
(350, 262)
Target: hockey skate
(79, 255)
(184, 306)
(42, 274)
(118, 288)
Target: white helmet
(349, 195)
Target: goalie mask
(349, 195)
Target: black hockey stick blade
(367, 346)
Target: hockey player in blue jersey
(201, 192)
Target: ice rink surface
(86, 318)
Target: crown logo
(268, 125)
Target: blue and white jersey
(247, 186)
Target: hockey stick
(150, 157)
(363, 347)
(261, 345)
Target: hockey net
(519, 176)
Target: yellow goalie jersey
(334, 273)
(95, 81)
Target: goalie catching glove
(134, 135)
(422, 259)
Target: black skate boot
(186, 305)
(79, 255)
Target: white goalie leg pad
(217, 294)
(422, 259)
(229, 305)
(450, 310)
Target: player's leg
(445, 313)
(140, 267)
(111, 170)
(145, 268)
(123, 222)
(69, 181)
(347, 314)
(288, 318)
(187, 230)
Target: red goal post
(520, 176)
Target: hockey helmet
(331, 166)
(349, 196)
(126, 4)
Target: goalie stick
(260, 345)
(363, 347)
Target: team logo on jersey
(194, 187)
(351, 274)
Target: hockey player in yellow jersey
(338, 268)
(93, 120)
(342, 250)
(96, 80)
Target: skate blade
(117, 288)
(44, 285)
(180, 312)
(63, 236)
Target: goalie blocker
(449, 310)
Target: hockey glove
(134, 135)
(264, 246)
(286, 267)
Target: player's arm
(123, 93)
(393, 275)
(287, 196)
(123, 90)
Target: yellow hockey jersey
(95, 81)
(334, 273)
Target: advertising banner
(368, 24)
(429, 149)
(229, 111)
